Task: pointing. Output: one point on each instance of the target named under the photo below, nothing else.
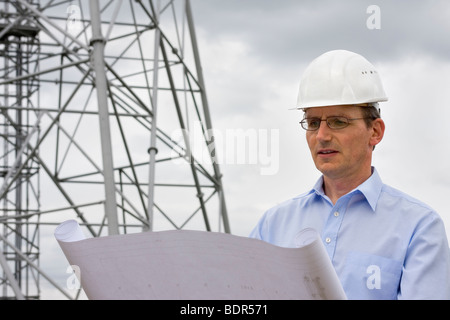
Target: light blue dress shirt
(383, 243)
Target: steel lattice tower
(98, 103)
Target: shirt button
(328, 240)
(336, 214)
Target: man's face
(341, 153)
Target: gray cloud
(288, 31)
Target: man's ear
(378, 128)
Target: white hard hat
(340, 77)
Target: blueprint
(198, 265)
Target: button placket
(331, 229)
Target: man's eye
(313, 123)
(338, 122)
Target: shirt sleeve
(426, 269)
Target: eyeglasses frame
(326, 121)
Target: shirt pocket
(368, 276)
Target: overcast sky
(253, 54)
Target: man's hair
(370, 113)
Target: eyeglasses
(313, 124)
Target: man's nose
(324, 132)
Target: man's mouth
(326, 151)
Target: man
(383, 243)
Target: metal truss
(103, 110)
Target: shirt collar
(370, 189)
